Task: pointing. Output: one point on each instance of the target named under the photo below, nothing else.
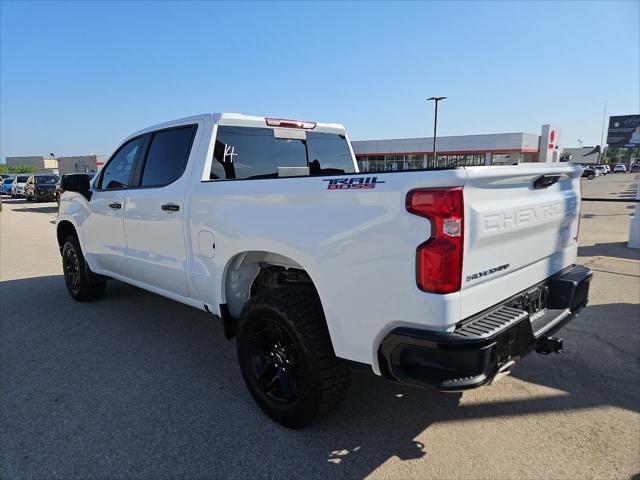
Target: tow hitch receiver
(548, 345)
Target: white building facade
(463, 150)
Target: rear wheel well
(64, 230)
(250, 274)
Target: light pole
(604, 116)
(435, 126)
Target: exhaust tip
(547, 345)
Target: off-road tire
(322, 379)
(83, 285)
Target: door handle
(170, 207)
(115, 205)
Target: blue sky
(76, 77)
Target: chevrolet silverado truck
(435, 278)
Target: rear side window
(242, 152)
(167, 156)
(329, 154)
(248, 152)
(117, 172)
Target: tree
(16, 169)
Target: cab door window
(117, 172)
(167, 156)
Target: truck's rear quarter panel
(358, 246)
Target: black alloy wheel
(274, 358)
(286, 356)
(81, 282)
(71, 265)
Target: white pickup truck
(442, 278)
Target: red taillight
(283, 122)
(439, 259)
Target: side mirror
(75, 183)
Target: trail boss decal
(354, 183)
(488, 272)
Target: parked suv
(589, 172)
(41, 188)
(17, 188)
(619, 168)
(5, 187)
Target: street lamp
(435, 126)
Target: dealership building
(462, 150)
(59, 165)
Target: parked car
(5, 175)
(5, 187)
(601, 169)
(17, 188)
(619, 168)
(41, 187)
(440, 279)
(635, 167)
(590, 173)
(59, 190)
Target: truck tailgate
(521, 226)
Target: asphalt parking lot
(137, 386)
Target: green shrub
(16, 169)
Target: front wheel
(286, 357)
(81, 282)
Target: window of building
(117, 172)
(167, 156)
(397, 162)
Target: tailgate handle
(545, 181)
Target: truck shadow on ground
(32, 207)
(135, 385)
(42, 209)
(612, 249)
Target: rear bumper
(488, 343)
